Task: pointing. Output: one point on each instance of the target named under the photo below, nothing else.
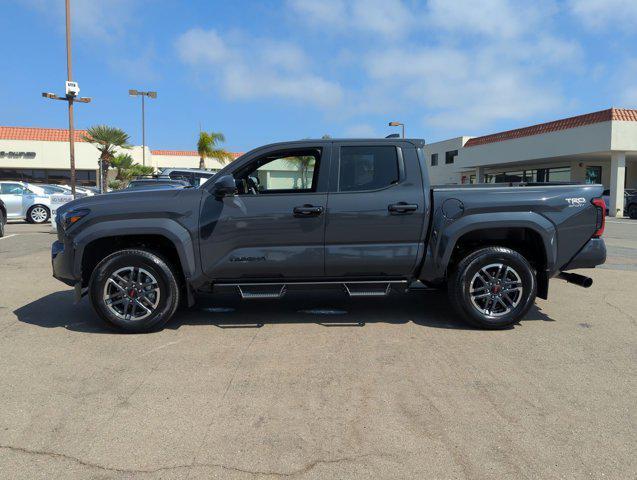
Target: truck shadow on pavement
(425, 308)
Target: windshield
(50, 189)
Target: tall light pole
(72, 91)
(398, 124)
(136, 93)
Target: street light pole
(136, 93)
(398, 124)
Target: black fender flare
(165, 227)
(446, 233)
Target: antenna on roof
(393, 135)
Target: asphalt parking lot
(318, 387)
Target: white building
(41, 155)
(599, 147)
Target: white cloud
(463, 89)
(597, 14)
(387, 18)
(361, 130)
(103, 19)
(464, 64)
(628, 84)
(497, 18)
(250, 68)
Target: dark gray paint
(248, 237)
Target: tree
(207, 147)
(107, 140)
(303, 165)
(127, 169)
(122, 164)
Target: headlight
(73, 216)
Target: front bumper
(62, 255)
(591, 255)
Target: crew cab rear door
(274, 228)
(376, 210)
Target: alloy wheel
(39, 214)
(496, 289)
(131, 293)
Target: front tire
(38, 214)
(134, 290)
(632, 211)
(493, 288)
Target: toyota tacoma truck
(359, 215)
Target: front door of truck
(377, 210)
(274, 227)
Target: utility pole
(72, 91)
(69, 78)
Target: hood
(124, 200)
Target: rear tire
(38, 214)
(134, 290)
(493, 288)
(632, 211)
(3, 222)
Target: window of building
(367, 168)
(434, 159)
(450, 157)
(593, 175)
(83, 177)
(557, 174)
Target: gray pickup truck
(356, 214)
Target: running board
(363, 288)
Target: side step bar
(367, 289)
(273, 291)
(250, 291)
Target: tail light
(600, 223)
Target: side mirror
(225, 187)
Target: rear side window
(367, 168)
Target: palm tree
(303, 165)
(207, 147)
(122, 164)
(107, 140)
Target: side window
(367, 168)
(12, 189)
(281, 172)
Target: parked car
(156, 182)
(194, 176)
(25, 201)
(358, 214)
(630, 201)
(3, 217)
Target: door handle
(307, 211)
(402, 207)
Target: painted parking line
(9, 236)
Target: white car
(25, 201)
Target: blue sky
(264, 71)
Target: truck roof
(415, 141)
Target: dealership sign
(17, 154)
